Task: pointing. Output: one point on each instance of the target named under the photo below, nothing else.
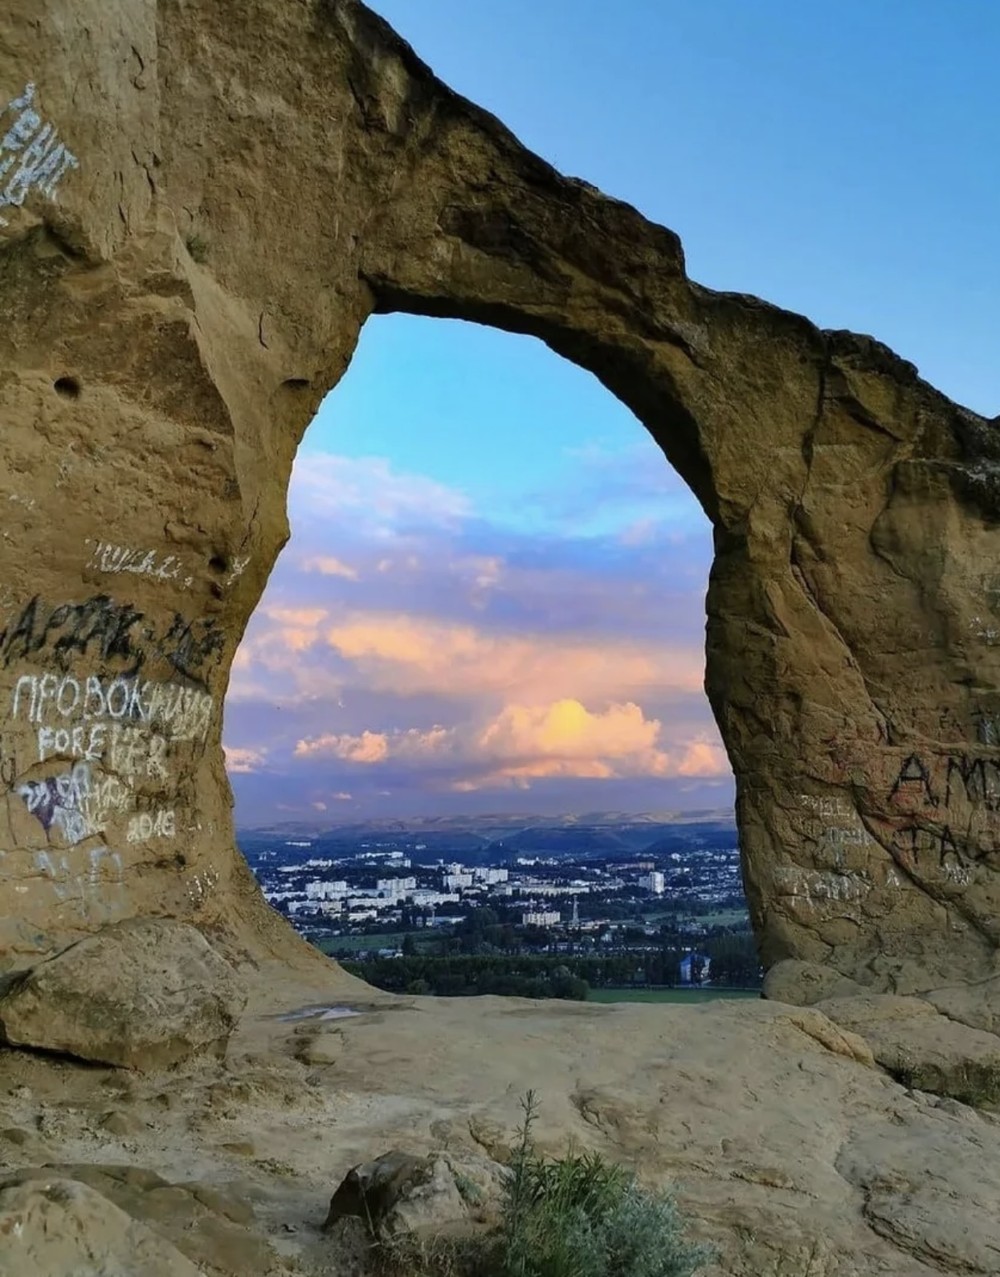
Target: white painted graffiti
(30, 153)
(79, 805)
(831, 807)
(985, 630)
(72, 742)
(239, 567)
(201, 884)
(988, 728)
(841, 835)
(955, 872)
(809, 886)
(181, 712)
(60, 802)
(91, 879)
(106, 557)
(145, 825)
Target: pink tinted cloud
(241, 760)
(523, 743)
(408, 654)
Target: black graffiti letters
(188, 645)
(97, 628)
(913, 771)
(948, 779)
(102, 630)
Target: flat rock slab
(977, 1005)
(56, 1227)
(922, 1048)
(209, 1229)
(143, 994)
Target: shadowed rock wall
(200, 204)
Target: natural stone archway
(200, 207)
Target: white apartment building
(541, 918)
(456, 881)
(424, 896)
(396, 888)
(491, 876)
(653, 882)
(325, 890)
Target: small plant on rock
(581, 1216)
(573, 1216)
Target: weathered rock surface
(143, 994)
(399, 1193)
(58, 1227)
(197, 219)
(803, 983)
(791, 1156)
(209, 1232)
(922, 1048)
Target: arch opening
(486, 629)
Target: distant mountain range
(609, 834)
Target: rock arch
(196, 219)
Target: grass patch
(668, 995)
(197, 248)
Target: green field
(720, 918)
(342, 944)
(668, 995)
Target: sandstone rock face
(144, 994)
(803, 983)
(201, 1229)
(197, 215)
(62, 1228)
(922, 1048)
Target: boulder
(399, 1193)
(51, 1226)
(922, 1048)
(144, 994)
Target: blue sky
(494, 590)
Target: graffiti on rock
(106, 557)
(102, 629)
(60, 802)
(32, 158)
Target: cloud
(327, 565)
(525, 743)
(405, 636)
(409, 654)
(369, 747)
(240, 760)
(331, 487)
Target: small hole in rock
(68, 387)
(217, 563)
(297, 383)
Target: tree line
(734, 963)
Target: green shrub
(197, 248)
(573, 1216)
(580, 1216)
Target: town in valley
(606, 906)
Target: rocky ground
(791, 1148)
